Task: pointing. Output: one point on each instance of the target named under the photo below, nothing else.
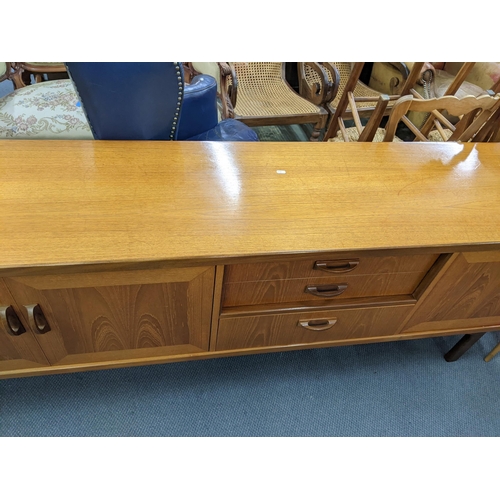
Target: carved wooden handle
(317, 324)
(36, 318)
(326, 290)
(10, 321)
(336, 266)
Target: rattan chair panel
(262, 92)
(353, 134)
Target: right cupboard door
(117, 317)
(466, 297)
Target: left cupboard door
(19, 349)
(117, 318)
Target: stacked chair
(470, 118)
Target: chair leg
(493, 353)
(318, 127)
(462, 346)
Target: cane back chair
(258, 94)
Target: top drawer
(321, 268)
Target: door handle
(10, 321)
(37, 319)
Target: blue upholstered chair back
(131, 101)
(149, 101)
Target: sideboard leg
(462, 346)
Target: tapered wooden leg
(462, 346)
(318, 127)
(493, 353)
(315, 135)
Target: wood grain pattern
(285, 329)
(217, 303)
(277, 291)
(95, 319)
(465, 291)
(21, 351)
(173, 357)
(101, 202)
(86, 280)
(282, 270)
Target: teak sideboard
(129, 253)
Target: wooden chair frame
(22, 71)
(378, 111)
(229, 96)
(325, 90)
(479, 114)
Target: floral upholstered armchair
(47, 110)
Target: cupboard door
(467, 296)
(18, 347)
(116, 316)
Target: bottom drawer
(309, 328)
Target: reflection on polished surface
(178, 200)
(470, 164)
(227, 169)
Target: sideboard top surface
(85, 202)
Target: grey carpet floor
(389, 389)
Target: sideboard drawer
(309, 328)
(334, 266)
(314, 289)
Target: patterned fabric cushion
(48, 110)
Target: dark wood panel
(96, 319)
(466, 291)
(270, 271)
(19, 351)
(285, 329)
(278, 291)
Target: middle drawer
(313, 289)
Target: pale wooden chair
(349, 107)
(344, 75)
(436, 81)
(257, 94)
(478, 118)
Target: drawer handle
(317, 324)
(326, 290)
(36, 319)
(336, 266)
(10, 321)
